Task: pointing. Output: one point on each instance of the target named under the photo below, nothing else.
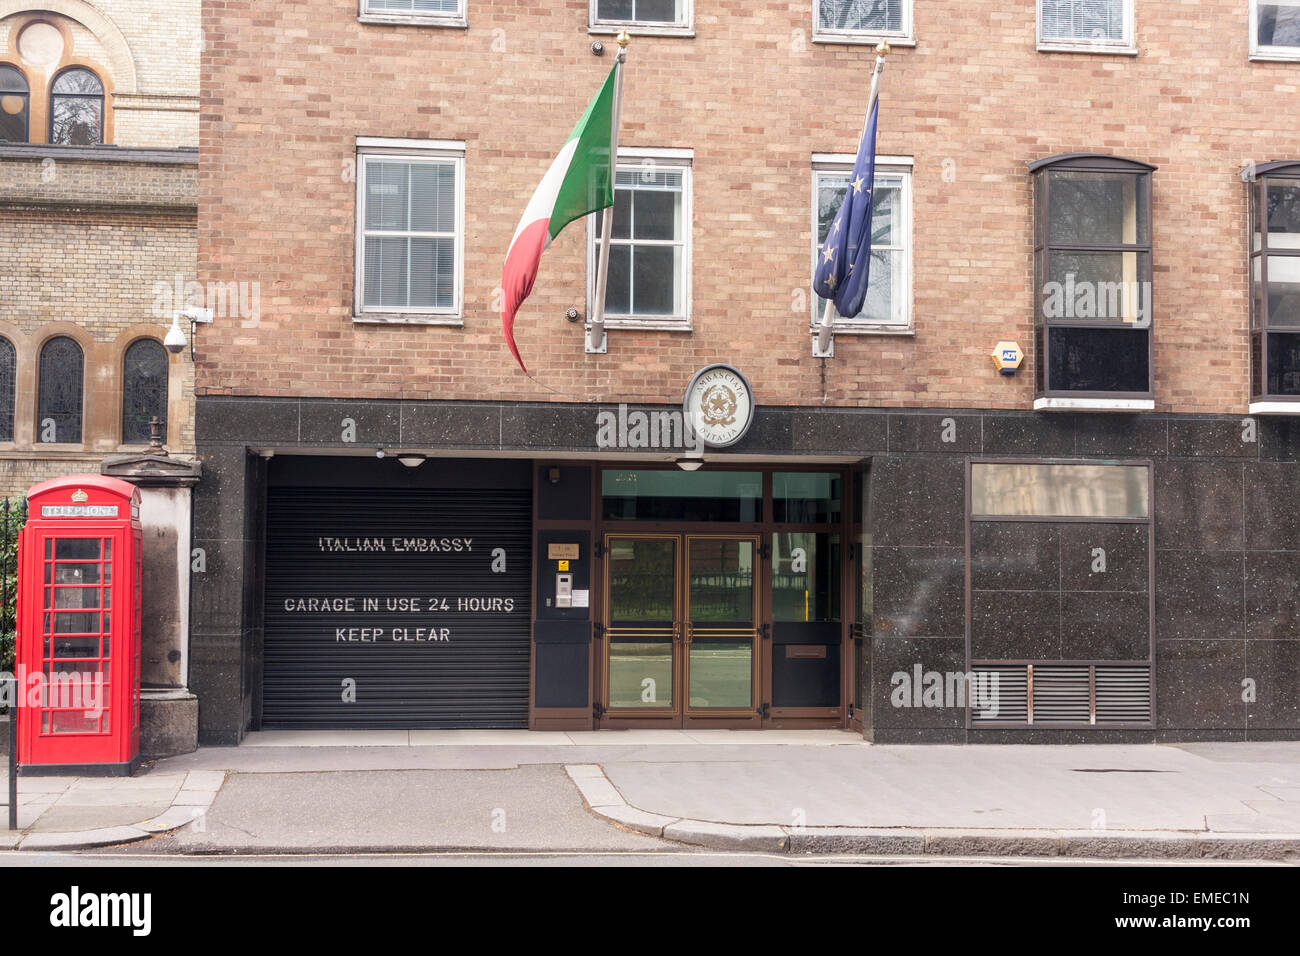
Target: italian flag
(578, 183)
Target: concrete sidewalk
(805, 792)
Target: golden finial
(882, 48)
(624, 38)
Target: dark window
(1092, 262)
(77, 109)
(14, 103)
(642, 11)
(60, 385)
(144, 390)
(8, 373)
(1275, 281)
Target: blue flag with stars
(844, 263)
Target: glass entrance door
(721, 625)
(681, 626)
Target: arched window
(58, 416)
(8, 373)
(14, 103)
(77, 109)
(144, 390)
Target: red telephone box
(78, 646)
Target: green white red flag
(578, 183)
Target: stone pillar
(169, 713)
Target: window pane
(59, 411)
(81, 82)
(655, 280)
(1284, 363)
(1283, 211)
(1099, 360)
(433, 197)
(387, 195)
(1084, 491)
(721, 581)
(1279, 24)
(1098, 286)
(77, 120)
(13, 109)
(640, 675)
(1284, 291)
(642, 581)
(618, 287)
(418, 6)
(433, 274)
(884, 302)
(1096, 209)
(806, 497)
(386, 272)
(868, 16)
(144, 390)
(8, 383)
(1083, 20)
(655, 495)
(645, 11)
(805, 577)
(656, 214)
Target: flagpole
(823, 345)
(596, 331)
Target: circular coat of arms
(719, 405)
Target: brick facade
(973, 103)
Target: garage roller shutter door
(383, 608)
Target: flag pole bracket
(597, 340)
(822, 349)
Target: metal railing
(12, 519)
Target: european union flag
(844, 264)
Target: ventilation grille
(1123, 695)
(1056, 695)
(1008, 685)
(1061, 695)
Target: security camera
(175, 340)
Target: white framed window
(649, 283)
(863, 21)
(410, 231)
(661, 17)
(1275, 29)
(1086, 26)
(888, 307)
(435, 13)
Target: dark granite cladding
(368, 424)
(949, 434)
(1025, 625)
(1226, 532)
(1198, 684)
(1201, 438)
(1274, 666)
(1015, 556)
(1125, 555)
(1273, 507)
(919, 501)
(1198, 505)
(893, 674)
(1273, 595)
(1199, 595)
(837, 432)
(918, 591)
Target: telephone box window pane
(74, 722)
(1060, 491)
(1284, 363)
(1099, 360)
(806, 497)
(76, 622)
(76, 599)
(86, 646)
(77, 573)
(77, 549)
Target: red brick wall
(288, 87)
